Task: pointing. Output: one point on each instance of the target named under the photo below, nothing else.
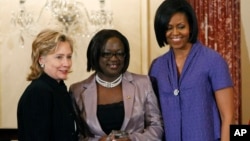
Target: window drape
(219, 28)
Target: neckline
(106, 84)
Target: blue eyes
(108, 55)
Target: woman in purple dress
(193, 81)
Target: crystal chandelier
(71, 16)
(23, 19)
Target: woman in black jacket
(45, 111)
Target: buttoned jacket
(142, 118)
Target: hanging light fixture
(23, 19)
(71, 16)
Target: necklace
(108, 84)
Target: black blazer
(45, 112)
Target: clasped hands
(116, 135)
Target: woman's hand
(104, 138)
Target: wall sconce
(71, 16)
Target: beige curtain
(219, 25)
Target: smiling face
(178, 31)
(57, 64)
(112, 59)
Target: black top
(45, 112)
(111, 116)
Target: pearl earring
(42, 65)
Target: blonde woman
(45, 111)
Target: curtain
(219, 28)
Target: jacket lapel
(90, 101)
(128, 90)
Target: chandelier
(70, 16)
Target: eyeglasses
(119, 55)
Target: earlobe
(42, 65)
(41, 61)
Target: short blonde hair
(45, 43)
